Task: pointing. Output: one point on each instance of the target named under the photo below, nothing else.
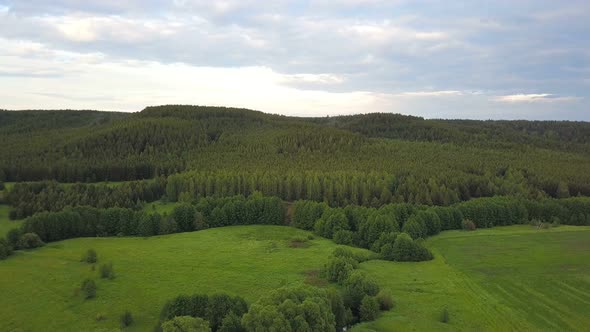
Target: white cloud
(444, 93)
(534, 98)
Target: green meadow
(501, 279)
(5, 223)
(38, 287)
(506, 278)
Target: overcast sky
(499, 59)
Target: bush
(356, 287)
(385, 301)
(186, 324)
(106, 271)
(5, 249)
(338, 269)
(369, 309)
(89, 288)
(468, 225)
(343, 237)
(30, 241)
(126, 319)
(90, 256)
(12, 237)
(444, 316)
(407, 250)
(231, 323)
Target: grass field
(5, 223)
(501, 279)
(38, 286)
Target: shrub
(5, 249)
(468, 225)
(369, 309)
(343, 237)
(406, 250)
(356, 287)
(126, 319)
(231, 323)
(555, 222)
(30, 241)
(338, 269)
(385, 301)
(444, 316)
(186, 324)
(90, 256)
(106, 271)
(342, 252)
(12, 237)
(89, 288)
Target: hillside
(467, 158)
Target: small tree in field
(106, 271)
(89, 288)
(444, 316)
(90, 256)
(369, 309)
(126, 319)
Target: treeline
(371, 189)
(380, 229)
(558, 135)
(84, 221)
(28, 198)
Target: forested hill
(407, 158)
(560, 135)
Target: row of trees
(379, 229)
(372, 189)
(221, 312)
(85, 221)
(28, 198)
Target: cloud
(534, 98)
(429, 58)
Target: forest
(380, 184)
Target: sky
(517, 59)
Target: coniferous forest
(378, 185)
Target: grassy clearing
(38, 286)
(5, 223)
(506, 278)
(160, 207)
(501, 279)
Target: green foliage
(444, 316)
(385, 300)
(213, 308)
(231, 323)
(30, 241)
(90, 256)
(106, 271)
(338, 269)
(405, 250)
(186, 324)
(356, 287)
(88, 288)
(126, 319)
(184, 216)
(5, 249)
(369, 309)
(344, 237)
(291, 309)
